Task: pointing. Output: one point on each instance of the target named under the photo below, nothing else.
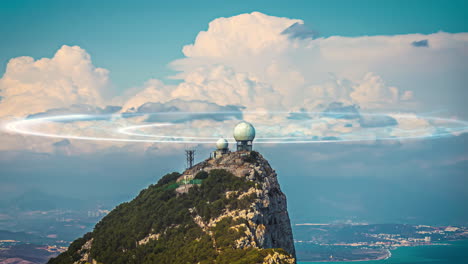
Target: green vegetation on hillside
(168, 178)
(72, 253)
(201, 175)
(159, 210)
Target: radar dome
(222, 143)
(244, 132)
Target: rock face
(268, 218)
(225, 210)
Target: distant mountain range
(24, 237)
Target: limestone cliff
(225, 210)
(267, 216)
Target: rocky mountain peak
(228, 209)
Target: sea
(455, 252)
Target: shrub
(170, 177)
(201, 175)
(158, 210)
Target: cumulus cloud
(372, 71)
(30, 86)
(414, 126)
(251, 62)
(222, 85)
(372, 92)
(305, 72)
(152, 91)
(256, 32)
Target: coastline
(384, 257)
(450, 252)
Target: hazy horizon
(371, 60)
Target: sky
(374, 59)
(137, 40)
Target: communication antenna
(190, 155)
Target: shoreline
(386, 256)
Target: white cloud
(411, 125)
(30, 86)
(152, 91)
(374, 71)
(223, 86)
(372, 92)
(248, 61)
(242, 35)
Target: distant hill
(25, 254)
(24, 237)
(225, 210)
(38, 200)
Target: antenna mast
(190, 155)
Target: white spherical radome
(244, 131)
(222, 143)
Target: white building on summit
(222, 144)
(244, 134)
(221, 148)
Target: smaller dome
(244, 131)
(222, 143)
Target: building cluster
(421, 235)
(98, 213)
(244, 134)
(397, 240)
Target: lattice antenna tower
(190, 156)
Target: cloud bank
(30, 86)
(249, 62)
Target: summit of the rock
(225, 210)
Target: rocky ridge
(268, 219)
(254, 219)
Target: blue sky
(136, 40)
(373, 57)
